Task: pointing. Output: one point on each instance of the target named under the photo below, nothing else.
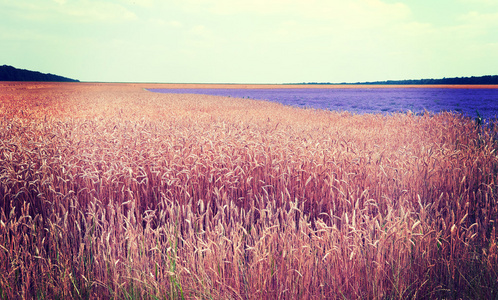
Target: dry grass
(110, 191)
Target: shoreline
(241, 86)
(302, 86)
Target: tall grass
(112, 192)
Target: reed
(109, 191)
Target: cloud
(485, 2)
(201, 37)
(359, 12)
(159, 22)
(201, 30)
(481, 19)
(98, 11)
(83, 11)
(175, 24)
(313, 25)
(142, 3)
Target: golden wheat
(115, 192)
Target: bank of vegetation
(473, 80)
(10, 73)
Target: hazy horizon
(209, 41)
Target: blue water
(468, 102)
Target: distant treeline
(488, 79)
(9, 73)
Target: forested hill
(9, 73)
(488, 79)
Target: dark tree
(9, 73)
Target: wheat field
(108, 191)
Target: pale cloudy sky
(250, 41)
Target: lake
(369, 100)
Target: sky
(250, 41)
